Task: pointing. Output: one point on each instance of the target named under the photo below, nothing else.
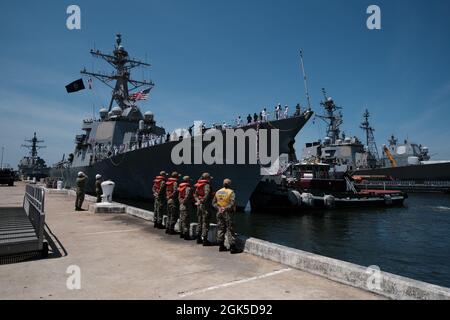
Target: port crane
(389, 156)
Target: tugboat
(313, 187)
(129, 148)
(33, 166)
(310, 185)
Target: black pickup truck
(7, 176)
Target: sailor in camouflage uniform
(98, 187)
(172, 202)
(186, 201)
(225, 203)
(81, 186)
(203, 195)
(159, 194)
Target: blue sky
(214, 60)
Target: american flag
(141, 95)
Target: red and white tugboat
(311, 185)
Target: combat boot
(234, 249)
(187, 237)
(167, 231)
(206, 243)
(199, 240)
(160, 226)
(182, 235)
(222, 247)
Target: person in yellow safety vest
(225, 203)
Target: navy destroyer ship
(402, 161)
(129, 148)
(33, 166)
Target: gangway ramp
(22, 228)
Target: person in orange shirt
(172, 202)
(202, 196)
(186, 201)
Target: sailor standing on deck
(159, 194)
(298, 110)
(202, 198)
(278, 111)
(186, 200)
(286, 111)
(172, 202)
(238, 121)
(81, 186)
(98, 187)
(225, 203)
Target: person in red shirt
(159, 195)
(203, 198)
(186, 201)
(172, 202)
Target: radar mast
(34, 147)
(370, 138)
(332, 119)
(122, 64)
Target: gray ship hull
(133, 172)
(439, 171)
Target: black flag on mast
(75, 86)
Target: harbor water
(412, 241)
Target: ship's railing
(105, 151)
(406, 183)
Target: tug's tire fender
(307, 199)
(295, 198)
(329, 201)
(387, 199)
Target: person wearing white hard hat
(81, 186)
(98, 187)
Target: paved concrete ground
(123, 257)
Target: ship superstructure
(32, 166)
(343, 153)
(346, 154)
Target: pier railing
(33, 204)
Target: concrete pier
(121, 256)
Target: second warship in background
(128, 147)
(402, 166)
(33, 166)
(405, 161)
